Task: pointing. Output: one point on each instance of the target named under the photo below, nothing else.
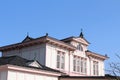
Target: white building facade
(70, 56)
(11, 72)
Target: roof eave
(22, 44)
(89, 53)
(60, 43)
(44, 39)
(26, 69)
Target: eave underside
(95, 55)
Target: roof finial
(46, 34)
(106, 55)
(27, 33)
(81, 34)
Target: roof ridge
(27, 38)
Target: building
(70, 56)
(17, 68)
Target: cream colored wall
(75, 44)
(15, 75)
(3, 75)
(46, 54)
(100, 68)
(34, 52)
(89, 61)
(51, 57)
(80, 54)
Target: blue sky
(99, 19)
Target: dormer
(81, 39)
(79, 42)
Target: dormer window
(79, 47)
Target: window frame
(58, 60)
(95, 68)
(80, 47)
(60, 63)
(81, 63)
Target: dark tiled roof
(19, 61)
(71, 38)
(68, 38)
(28, 38)
(106, 77)
(32, 41)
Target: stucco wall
(89, 61)
(51, 57)
(15, 75)
(46, 54)
(33, 52)
(100, 67)
(3, 75)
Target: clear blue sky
(100, 20)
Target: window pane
(95, 68)
(58, 60)
(82, 65)
(78, 66)
(97, 73)
(79, 47)
(85, 65)
(62, 61)
(74, 64)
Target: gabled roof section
(14, 60)
(96, 55)
(19, 61)
(34, 64)
(68, 39)
(27, 38)
(28, 41)
(82, 37)
(79, 39)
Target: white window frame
(74, 63)
(79, 47)
(80, 65)
(58, 60)
(95, 68)
(60, 64)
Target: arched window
(79, 47)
